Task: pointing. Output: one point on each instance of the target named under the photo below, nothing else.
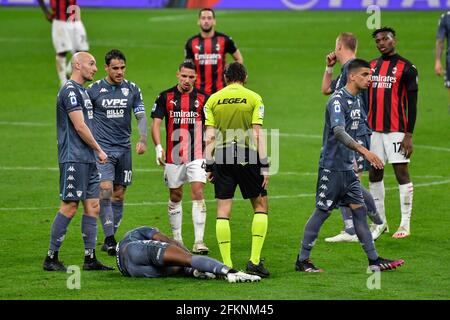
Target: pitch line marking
(285, 173)
(275, 197)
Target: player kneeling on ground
(146, 252)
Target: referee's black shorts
(228, 176)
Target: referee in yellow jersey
(236, 155)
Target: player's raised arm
(48, 14)
(330, 61)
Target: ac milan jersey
(113, 106)
(183, 113)
(62, 9)
(209, 55)
(392, 77)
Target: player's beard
(207, 30)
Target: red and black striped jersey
(392, 78)
(62, 11)
(183, 113)
(209, 55)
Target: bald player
(79, 180)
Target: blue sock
(346, 213)
(107, 217)
(363, 232)
(59, 230)
(206, 264)
(311, 232)
(117, 208)
(89, 231)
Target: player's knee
(402, 175)
(93, 208)
(69, 209)
(197, 195)
(106, 193)
(176, 195)
(118, 193)
(375, 175)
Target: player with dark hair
(443, 33)
(208, 51)
(68, 32)
(345, 52)
(342, 186)
(78, 173)
(234, 117)
(182, 108)
(115, 99)
(392, 116)
(146, 252)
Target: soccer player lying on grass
(338, 184)
(146, 252)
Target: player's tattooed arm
(349, 142)
(141, 146)
(439, 50)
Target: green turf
(285, 54)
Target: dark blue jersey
(339, 83)
(443, 31)
(113, 106)
(138, 234)
(343, 109)
(71, 148)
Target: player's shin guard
(348, 220)
(406, 199)
(175, 212)
(61, 68)
(311, 232)
(377, 191)
(58, 233)
(199, 219)
(107, 217)
(259, 230)
(223, 235)
(363, 232)
(117, 208)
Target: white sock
(406, 199)
(377, 191)
(199, 218)
(61, 68)
(175, 212)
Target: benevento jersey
(183, 113)
(343, 109)
(443, 31)
(71, 148)
(339, 83)
(208, 55)
(113, 106)
(233, 110)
